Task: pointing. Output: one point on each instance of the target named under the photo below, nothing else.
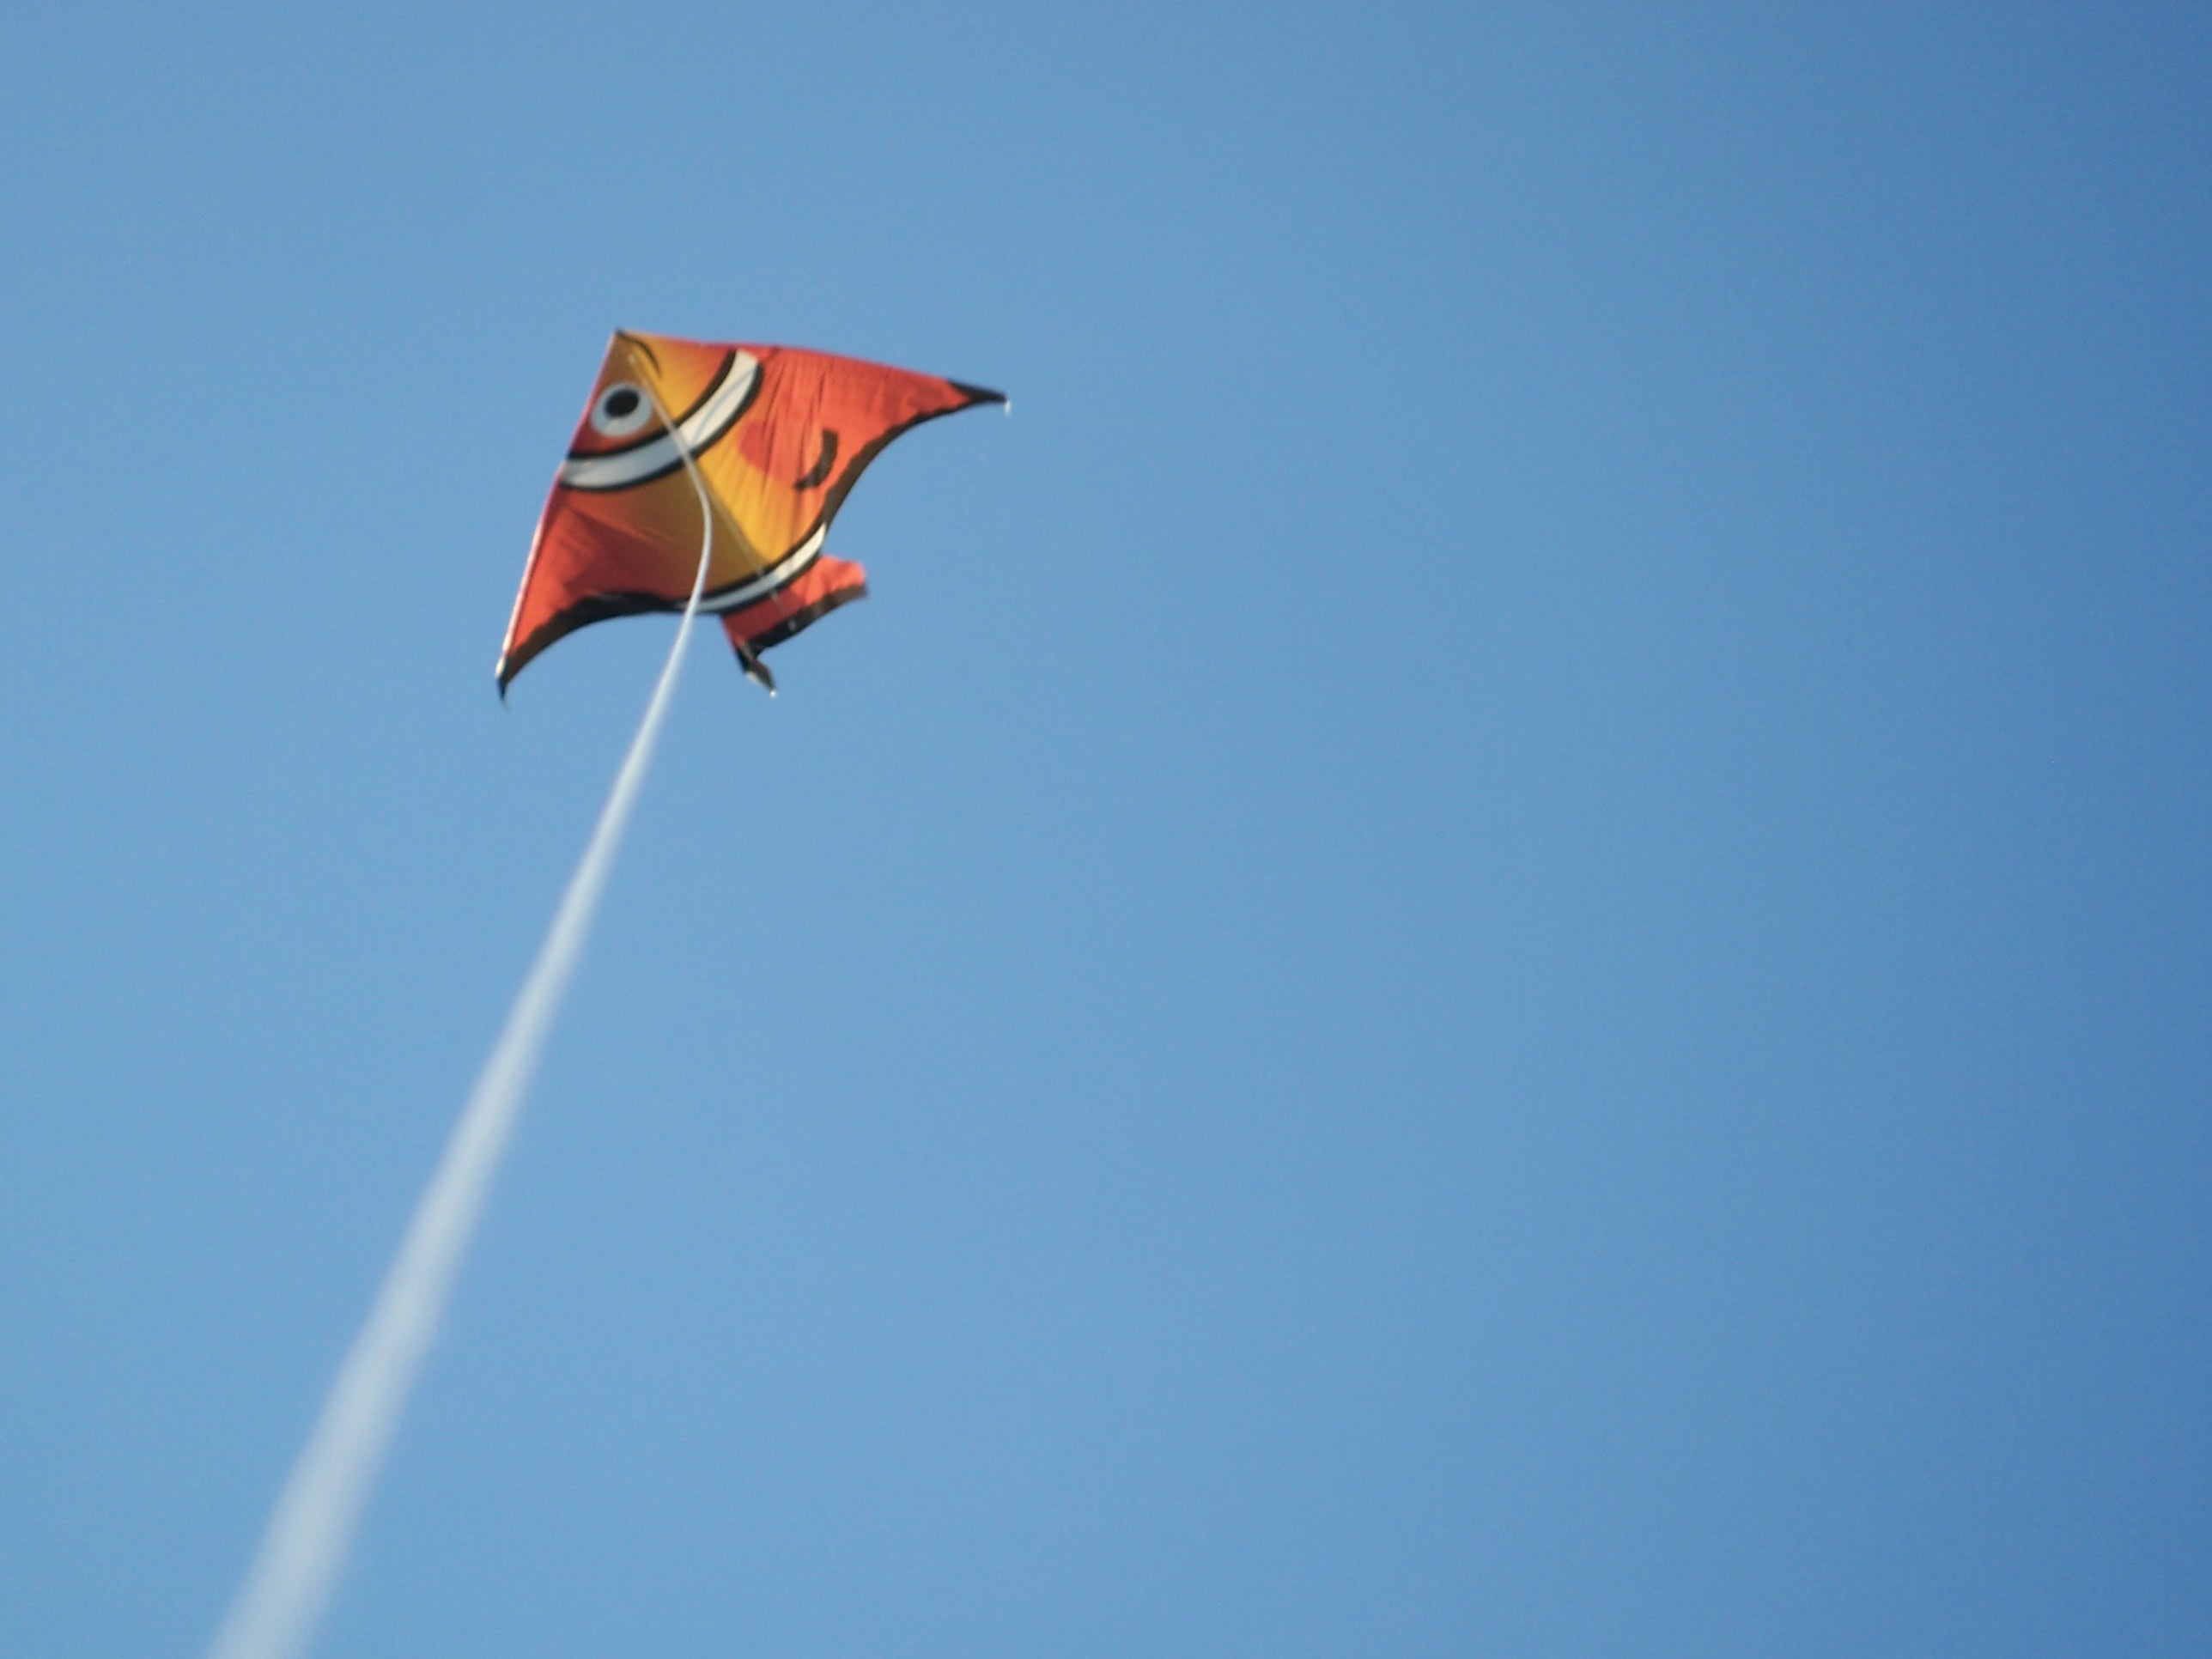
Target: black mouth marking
(820, 470)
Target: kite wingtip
(756, 670)
(977, 394)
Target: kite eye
(620, 410)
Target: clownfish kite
(775, 438)
(744, 454)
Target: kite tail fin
(748, 660)
(813, 593)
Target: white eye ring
(620, 410)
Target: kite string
(311, 1530)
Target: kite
(772, 441)
(769, 444)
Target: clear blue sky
(1496, 940)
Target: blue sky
(1495, 940)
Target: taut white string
(311, 1530)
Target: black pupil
(619, 404)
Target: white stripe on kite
(792, 566)
(698, 430)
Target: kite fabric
(779, 436)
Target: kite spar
(603, 548)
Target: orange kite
(779, 437)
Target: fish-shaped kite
(778, 437)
